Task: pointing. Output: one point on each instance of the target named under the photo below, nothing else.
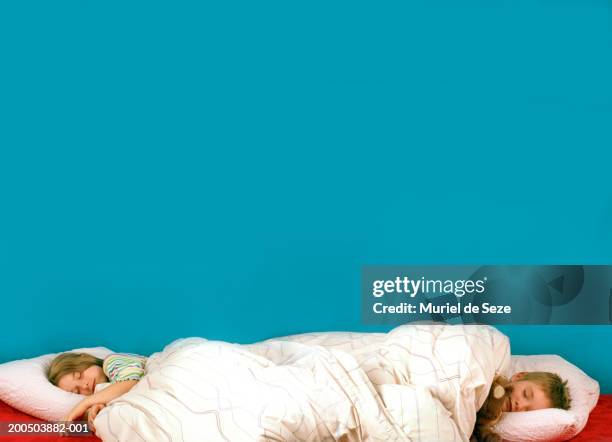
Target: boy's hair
(67, 363)
(555, 388)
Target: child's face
(83, 382)
(526, 396)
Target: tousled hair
(67, 363)
(554, 387)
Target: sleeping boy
(525, 391)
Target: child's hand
(91, 415)
(73, 415)
(77, 411)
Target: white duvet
(415, 383)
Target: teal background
(169, 170)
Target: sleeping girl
(525, 391)
(80, 373)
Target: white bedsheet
(417, 382)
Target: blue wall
(174, 170)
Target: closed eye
(76, 375)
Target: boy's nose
(516, 406)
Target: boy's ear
(517, 376)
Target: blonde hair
(555, 388)
(67, 363)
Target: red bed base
(9, 414)
(598, 428)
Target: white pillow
(552, 424)
(24, 386)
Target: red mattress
(9, 414)
(598, 428)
